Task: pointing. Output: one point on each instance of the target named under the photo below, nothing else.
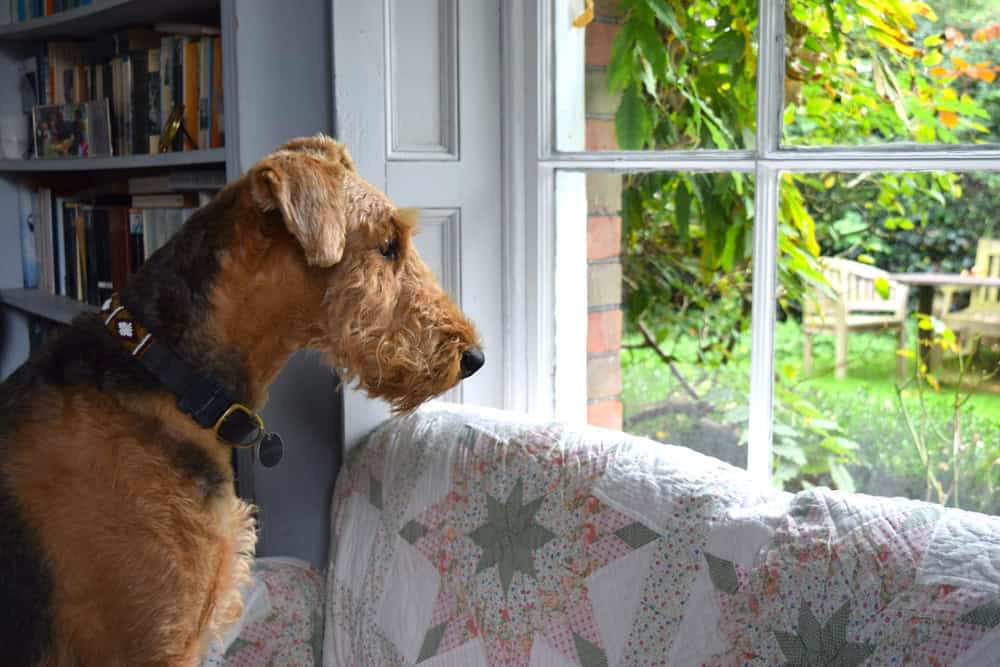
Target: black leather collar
(208, 403)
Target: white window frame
(532, 163)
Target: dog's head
(382, 318)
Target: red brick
(609, 414)
(609, 9)
(600, 36)
(603, 236)
(601, 135)
(604, 331)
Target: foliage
(865, 406)
(857, 71)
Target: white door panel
(427, 131)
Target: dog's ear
(323, 145)
(307, 191)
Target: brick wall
(604, 270)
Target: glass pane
(669, 272)
(875, 71)
(888, 343)
(655, 74)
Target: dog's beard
(398, 368)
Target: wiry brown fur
(116, 509)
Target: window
(757, 142)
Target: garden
(857, 72)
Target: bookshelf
(212, 156)
(280, 52)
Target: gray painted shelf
(105, 15)
(43, 304)
(212, 156)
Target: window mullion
(770, 99)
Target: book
(169, 200)
(29, 254)
(187, 180)
(218, 127)
(139, 112)
(137, 253)
(60, 240)
(192, 29)
(204, 93)
(69, 242)
(166, 79)
(153, 122)
(190, 99)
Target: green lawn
(847, 433)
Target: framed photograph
(72, 130)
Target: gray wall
(285, 89)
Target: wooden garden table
(926, 283)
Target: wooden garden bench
(854, 305)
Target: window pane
(886, 386)
(663, 74)
(668, 322)
(874, 71)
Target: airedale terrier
(122, 542)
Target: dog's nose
(472, 360)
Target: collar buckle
(240, 426)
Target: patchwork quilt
(479, 538)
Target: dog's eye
(390, 249)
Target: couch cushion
(478, 537)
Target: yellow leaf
(932, 381)
(940, 71)
(923, 9)
(958, 62)
(584, 19)
(949, 119)
(829, 181)
(949, 95)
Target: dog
(122, 541)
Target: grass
(848, 433)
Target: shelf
(180, 159)
(40, 303)
(108, 15)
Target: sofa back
(478, 537)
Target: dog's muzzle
(472, 360)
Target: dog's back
(25, 582)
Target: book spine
(166, 78)
(80, 227)
(154, 122)
(137, 254)
(218, 125)
(191, 96)
(29, 254)
(57, 232)
(178, 78)
(204, 92)
(140, 105)
(128, 111)
(118, 233)
(93, 275)
(69, 240)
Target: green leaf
(620, 67)
(651, 45)
(866, 259)
(728, 47)
(633, 126)
(666, 16)
(682, 210)
(841, 477)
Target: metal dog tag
(270, 449)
